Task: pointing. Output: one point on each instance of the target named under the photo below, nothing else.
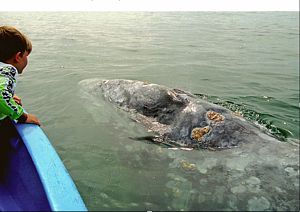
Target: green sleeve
(8, 106)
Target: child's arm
(9, 107)
(29, 118)
(15, 115)
(17, 100)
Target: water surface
(247, 62)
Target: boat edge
(60, 189)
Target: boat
(32, 175)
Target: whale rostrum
(178, 117)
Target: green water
(247, 62)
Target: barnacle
(187, 166)
(197, 133)
(214, 116)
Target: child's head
(14, 47)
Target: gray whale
(178, 117)
(261, 173)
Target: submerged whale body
(262, 171)
(178, 117)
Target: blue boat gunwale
(59, 187)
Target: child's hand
(17, 100)
(32, 119)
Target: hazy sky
(150, 5)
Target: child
(14, 50)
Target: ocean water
(247, 62)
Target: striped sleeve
(8, 106)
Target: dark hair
(12, 41)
